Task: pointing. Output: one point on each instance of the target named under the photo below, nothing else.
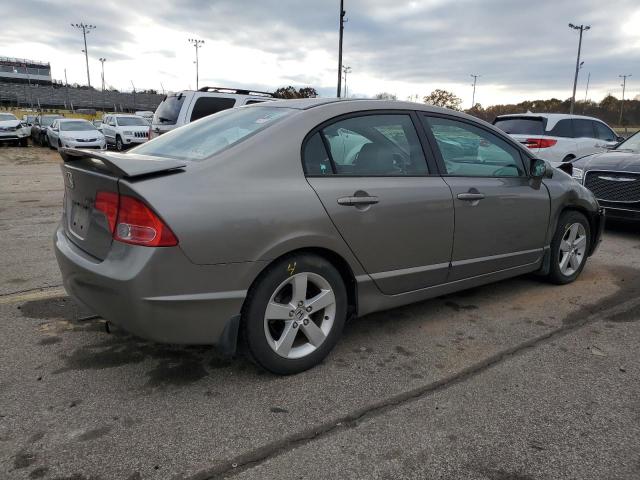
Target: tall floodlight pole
(197, 44)
(624, 86)
(86, 29)
(346, 69)
(582, 29)
(473, 97)
(342, 13)
(102, 60)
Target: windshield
(206, 137)
(631, 144)
(168, 110)
(132, 121)
(527, 126)
(46, 121)
(7, 116)
(79, 126)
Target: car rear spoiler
(127, 165)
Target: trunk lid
(86, 173)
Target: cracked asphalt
(517, 380)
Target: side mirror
(620, 138)
(538, 168)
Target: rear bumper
(157, 293)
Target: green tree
(290, 92)
(442, 98)
(385, 96)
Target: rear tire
(294, 314)
(569, 248)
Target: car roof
(552, 118)
(358, 104)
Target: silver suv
(180, 108)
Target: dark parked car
(280, 220)
(614, 178)
(39, 128)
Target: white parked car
(124, 130)
(180, 108)
(13, 130)
(74, 133)
(559, 137)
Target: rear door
(585, 137)
(370, 172)
(501, 218)
(606, 137)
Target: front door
(370, 172)
(501, 216)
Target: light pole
(196, 43)
(582, 29)
(473, 97)
(85, 30)
(102, 60)
(586, 93)
(342, 20)
(346, 70)
(624, 86)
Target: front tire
(119, 145)
(294, 314)
(570, 247)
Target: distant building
(21, 70)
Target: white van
(180, 108)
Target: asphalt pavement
(515, 380)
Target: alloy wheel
(573, 248)
(300, 315)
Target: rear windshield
(131, 121)
(209, 135)
(527, 126)
(168, 110)
(80, 126)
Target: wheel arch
(337, 260)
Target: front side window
(582, 128)
(375, 145)
(604, 133)
(470, 151)
(208, 105)
(202, 139)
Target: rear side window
(168, 110)
(375, 145)
(200, 140)
(208, 105)
(603, 132)
(526, 126)
(316, 158)
(562, 129)
(583, 128)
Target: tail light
(132, 221)
(540, 142)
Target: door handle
(357, 201)
(470, 197)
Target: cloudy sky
(522, 49)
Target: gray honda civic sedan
(273, 224)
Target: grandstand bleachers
(58, 96)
